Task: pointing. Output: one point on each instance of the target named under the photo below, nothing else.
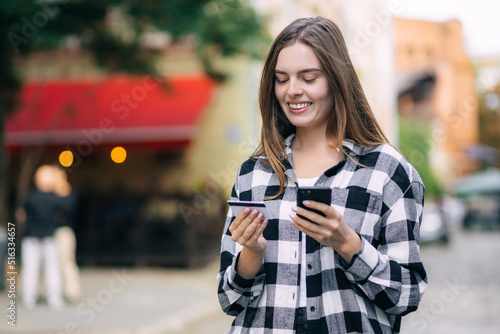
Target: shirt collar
(348, 145)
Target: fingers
(258, 232)
(254, 224)
(247, 226)
(243, 219)
(327, 210)
(316, 225)
(330, 230)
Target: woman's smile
(299, 107)
(302, 88)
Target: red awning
(114, 110)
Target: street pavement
(463, 297)
(129, 301)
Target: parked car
(434, 227)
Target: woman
(358, 268)
(40, 213)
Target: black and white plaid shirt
(381, 198)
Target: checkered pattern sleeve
(389, 271)
(236, 294)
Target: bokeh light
(66, 158)
(118, 154)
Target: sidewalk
(130, 301)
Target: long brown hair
(351, 116)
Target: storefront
(122, 141)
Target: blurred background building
(436, 83)
(182, 135)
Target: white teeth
(300, 105)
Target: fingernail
(306, 202)
(260, 216)
(294, 208)
(293, 215)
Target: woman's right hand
(247, 230)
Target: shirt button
(313, 308)
(309, 266)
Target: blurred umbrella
(483, 182)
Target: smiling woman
(352, 265)
(302, 87)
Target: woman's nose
(294, 88)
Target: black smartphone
(317, 194)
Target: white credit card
(238, 206)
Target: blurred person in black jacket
(42, 212)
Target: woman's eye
(281, 81)
(309, 80)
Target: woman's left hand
(331, 230)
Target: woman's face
(302, 88)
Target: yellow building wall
(229, 129)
